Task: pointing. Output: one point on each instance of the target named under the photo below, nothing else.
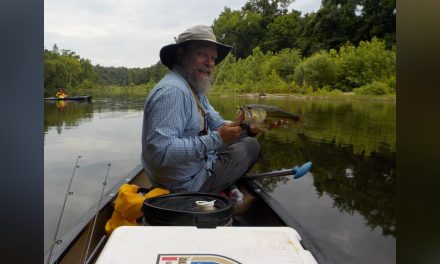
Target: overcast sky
(130, 33)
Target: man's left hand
(275, 124)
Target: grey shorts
(233, 162)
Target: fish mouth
(244, 114)
(240, 115)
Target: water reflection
(352, 146)
(356, 182)
(347, 202)
(104, 131)
(63, 114)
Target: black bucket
(180, 209)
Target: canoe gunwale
(72, 98)
(69, 238)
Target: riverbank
(344, 96)
(143, 90)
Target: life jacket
(60, 95)
(128, 205)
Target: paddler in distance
(60, 94)
(186, 144)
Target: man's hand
(229, 132)
(278, 124)
(275, 124)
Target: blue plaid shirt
(173, 154)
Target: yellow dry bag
(128, 206)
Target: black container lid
(180, 209)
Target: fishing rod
(69, 192)
(220, 69)
(98, 207)
(297, 172)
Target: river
(347, 202)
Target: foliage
(65, 69)
(334, 24)
(269, 25)
(76, 75)
(283, 33)
(123, 76)
(319, 70)
(370, 61)
(237, 28)
(378, 87)
(284, 63)
(321, 73)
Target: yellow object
(128, 206)
(60, 95)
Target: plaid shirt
(173, 154)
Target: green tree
(378, 19)
(318, 70)
(269, 9)
(370, 61)
(239, 28)
(66, 69)
(334, 24)
(283, 32)
(285, 62)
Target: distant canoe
(71, 98)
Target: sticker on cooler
(194, 259)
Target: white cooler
(188, 244)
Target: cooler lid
(187, 244)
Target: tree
(370, 61)
(269, 9)
(318, 70)
(334, 24)
(285, 62)
(283, 32)
(239, 28)
(378, 20)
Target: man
(186, 144)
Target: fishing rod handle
(270, 174)
(296, 171)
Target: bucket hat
(196, 33)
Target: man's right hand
(229, 132)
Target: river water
(347, 203)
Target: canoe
(259, 209)
(70, 98)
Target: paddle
(296, 171)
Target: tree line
(269, 25)
(346, 46)
(66, 69)
(368, 69)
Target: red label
(168, 258)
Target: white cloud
(127, 33)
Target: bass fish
(262, 116)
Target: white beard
(201, 84)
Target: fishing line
(98, 207)
(69, 192)
(235, 74)
(220, 69)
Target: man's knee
(252, 147)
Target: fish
(262, 116)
